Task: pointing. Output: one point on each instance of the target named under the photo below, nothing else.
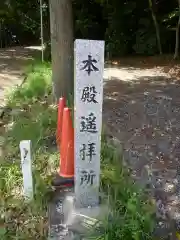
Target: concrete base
(67, 222)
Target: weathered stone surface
(88, 92)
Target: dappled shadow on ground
(143, 113)
(165, 63)
(10, 57)
(12, 64)
(145, 61)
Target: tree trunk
(176, 53)
(156, 25)
(61, 25)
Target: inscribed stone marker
(89, 67)
(26, 164)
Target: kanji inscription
(89, 65)
(88, 123)
(88, 151)
(89, 94)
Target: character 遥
(87, 151)
(88, 124)
(89, 66)
(87, 178)
(89, 94)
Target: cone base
(64, 175)
(60, 181)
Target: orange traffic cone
(67, 146)
(61, 106)
(66, 166)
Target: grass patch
(36, 86)
(132, 213)
(33, 116)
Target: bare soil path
(12, 64)
(142, 111)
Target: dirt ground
(13, 61)
(142, 111)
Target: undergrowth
(132, 213)
(32, 116)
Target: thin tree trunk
(156, 25)
(176, 53)
(61, 25)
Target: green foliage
(171, 15)
(32, 117)
(37, 84)
(115, 21)
(131, 211)
(146, 42)
(23, 18)
(170, 19)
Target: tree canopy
(127, 25)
